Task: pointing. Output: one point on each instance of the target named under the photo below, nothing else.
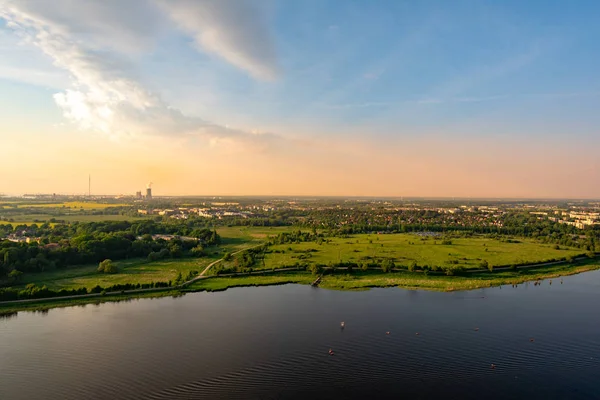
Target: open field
(239, 237)
(363, 280)
(222, 283)
(404, 249)
(25, 222)
(30, 219)
(415, 280)
(130, 271)
(68, 204)
(401, 248)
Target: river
(273, 342)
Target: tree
(107, 267)
(197, 251)
(387, 265)
(412, 266)
(591, 254)
(227, 257)
(315, 269)
(15, 275)
(179, 279)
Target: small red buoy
(417, 333)
(493, 366)
(531, 340)
(387, 333)
(476, 329)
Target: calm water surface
(273, 342)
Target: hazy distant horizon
(456, 99)
(309, 197)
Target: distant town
(37, 209)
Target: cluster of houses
(577, 218)
(185, 213)
(19, 238)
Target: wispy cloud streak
(104, 95)
(233, 29)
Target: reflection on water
(535, 341)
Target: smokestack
(149, 191)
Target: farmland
(76, 205)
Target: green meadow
(404, 249)
(130, 271)
(364, 280)
(39, 219)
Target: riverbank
(338, 280)
(363, 280)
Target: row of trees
(32, 291)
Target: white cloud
(127, 26)
(104, 95)
(234, 29)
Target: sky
(315, 97)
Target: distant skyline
(318, 97)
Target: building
(148, 193)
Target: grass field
(222, 283)
(131, 271)
(402, 248)
(406, 248)
(363, 280)
(30, 219)
(85, 205)
(239, 237)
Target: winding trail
(209, 266)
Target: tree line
(84, 243)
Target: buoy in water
(387, 333)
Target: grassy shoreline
(359, 280)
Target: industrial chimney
(149, 191)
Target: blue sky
(317, 72)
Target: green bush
(107, 267)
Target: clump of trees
(387, 265)
(80, 243)
(107, 267)
(297, 237)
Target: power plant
(149, 191)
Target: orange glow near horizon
(428, 167)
